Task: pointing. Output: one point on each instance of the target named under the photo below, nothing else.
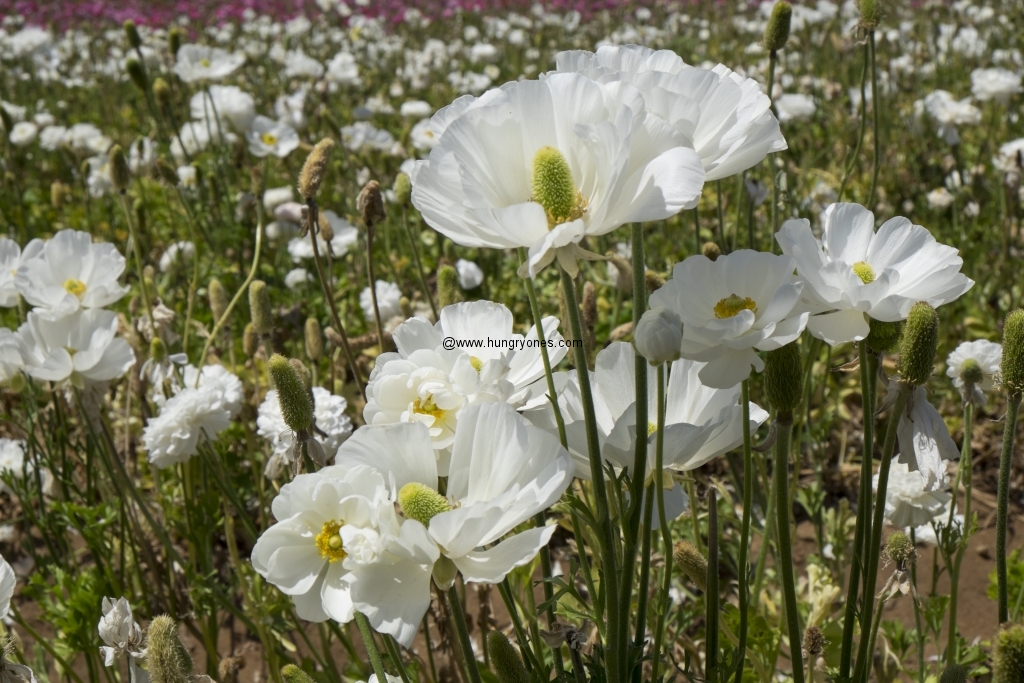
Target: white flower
(415, 109)
(297, 278)
(422, 136)
(726, 116)
(176, 253)
(731, 308)
(994, 84)
(290, 109)
(53, 138)
(364, 136)
(12, 463)
(206, 409)
(196, 136)
(340, 546)
(297, 64)
(271, 137)
(940, 198)
(924, 439)
(11, 258)
(330, 418)
(343, 70)
(389, 301)
(794, 107)
(121, 633)
(855, 273)
(187, 176)
(224, 105)
(99, 181)
(981, 358)
(345, 235)
(1010, 156)
(69, 272)
(23, 134)
(81, 347)
(908, 502)
(275, 196)
(470, 275)
(659, 335)
(85, 138)
(11, 361)
(626, 165)
(948, 113)
(7, 584)
(141, 156)
(199, 62)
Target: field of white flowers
(497, 343)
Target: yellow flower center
(864, 271)
(328, 542)
(428, 407)
(554, 189)
(733, 304)
(477, 364)
(652, 427)
(204, 62)
(269, 139)
(76, 287)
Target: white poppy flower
(939, 198)
(726, 116)
(854, 273)
(297, 64)
(9, 671)
(948, 112)
(345, 235)
(12, 463)
(85, 138)
(228, 103)
(196, 136)
(908, 502)
(276, 196)
(389, 301)
(23, 134)
(177, 253)
(731, 308)
(599, 159)
(422, 136)
(794, 107)
(11, 258)
(343, 70)
(53, 138)
(81, 347)
(69, 272)
(977, 362)
(470, 275)
(199, 62)
(363, 136)
(296, 278)
(329, 411)
(11, 360)
(415, 109)
(1010, 156)
(924, 439)
(995, 84)
(120, 632)
(271, 137)
(340, 546)
(7, 584)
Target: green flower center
(732, 305)
(76, 287)
(652, 427)
(864, 271)
(554, 189)
(269, 139)
(971, 372)
(204, 62)
(328, 542)
(428, 407)
(420, 502)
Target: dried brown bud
(370, 204)
(711, 250)
(315, 168)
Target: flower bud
(174, 39)
(420, 502)
(167, 659)
(167, 173)
(448, 291)
(658, 336)
(692, 563)
(403, 189)
(303, 372)
(139, 209)
(293, 674)
(131, 33)
(883, 337)
(784, 379)
(870, 13)
(899, 549)
(227, 670)
(259, 307)
(653, 281)
(250, 340)
(218, 300)
(292, 393)
(326, 229)
(1008, 655)
(505, 661)
(162, 92)
(135, 72)
(120, 174)
(157, 349)
(370, 204)
(711, 250)
(314, 340)
(776, 33)
(919, 344)
(1012, 366)
(314, 169)
(954, 673)
(814, 641)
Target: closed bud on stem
(167, 173)
(448, 291)
(403, 189)
(370, 204)
(659, 335)
(776, 33)
(326, 230)
(711, 250)
(1012, 366)
(292, 393)
(157, 349)
(139, 209)
(218, 300)
(135, 72)
(6, 120)
(120, 174)
(250, 340)
(162, 92)
(168, 660)
(174, 39)
(653, 281)
(1008, 655)
(883, 337)
(783, 379)
(692, 563)
(256, 184)
(131, 33)
(293, 674)
(919, 344)
(314, 340)
(870, 13)
(315, 168)
(505, 661)
(302, 372)
(814, 642)
(954, 673)
(899, 549)
(259, 307)
(444, 572)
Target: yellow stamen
(76, 287)
(477, 364)
(428, 407)
(652, 427)
(269, 139)
(328, 542)
(732, 305)
(864, 271)
(204, 62)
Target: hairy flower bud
(776, 33)
(420, 502)
(370, 204)
(135, 72)
(1008, 655)
(653, 281)
(315, 168)
(1012, 366)
(259, 307)
(659, 335)
(314, 340)
(218, 300)
(168, 660)
(870, 13)
(131, 33)
(954, 673)
(157, 349)
(692, 563)
(505, 661)
(250, 340)
(883, 337)
(448, 291)
(814, 641)
(162, 92)
(919, 344)
(292, 393)
(711, 250)
(120, 174)
(303, 373)
(174, 39)
(167, 172)
(326, 229)
(783, 379)
(403, 189)
(293, 674)
(899, 549)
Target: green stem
(373, 286)
(965, 532)
(396, 656)
(418, 263)
(1003, 504)
(873, 632)
(917, 615)
(666, 533)
(863, 126)
(875, 109)
(712, 597)
(748, 501)
(459, 618)
(143, 290)
(783, 508)
(371, 647)
(766, 540)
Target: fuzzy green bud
(783, 379)
(954, 673)
(692, 563)
(870, 13)
(168, 660)
(135, 72)
(250, 340)
(899, 549)
(162, 92)
(314, 340)
(218, 300)
(6, 120)
(120, 174)
(653, 281)
(157, 349)
(1012, 367)
(711, 250)
(174, 39)
(553, 186)
(166, 172)
(259, 307)
(1008, 655)
(883, 337)
(505, 661)
(131, 33)
(919, 345)
(420, 502)
(315, 168)
(776, 33)
(448, 290)
(292, 393)
(403, 189)
(293, 674)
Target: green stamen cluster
(919, 345)
(420, 502)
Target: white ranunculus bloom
(924, 439)
(948, 112)
(7, 584)
(297, 278)
(470, 275)
(343, 70)
(85, 138)
(11, 360)
(422, 136)
(227, 103)
(794, 107)
(141, 156)
(970, 361)
(727, 117)
(9, 671)
(11, 258)
(908, 501)
(732, 308)
(330, 417)
(995, 84)
(854, 273)
(940, 198)
(196, 136)
(199, 62)
(363, 136)
(345, 235)
(389, 301)
(120, 633)
(1010, 156)
(600, 158)
(81, 347)
(415, 109)
(177, 253)
(297, 64)
(340, 546)
(53, 138)
(271, 137)
(23, 134)
(69, 272)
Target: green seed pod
(293, 674)
(218, 300)
(174, 39)
(711, 250)
(954, 673)
(315, 168)
(1008, 655)
(420, 502)
(157, 349)
(250, 340)
(303, 372)
(131, 33)
(870, 13)
(505, 661)
(553, 186)
(448, 290)
(776, 33)
(120, 174)
(314, 340)
(168, 660)
(1012, 366)
(899, 549)
(692, 563)
(883, 337)
(162, 92)
(919, 344)
(783, 379)
(259, 307)
(292, 393)
(403, 189)
(135, 72)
